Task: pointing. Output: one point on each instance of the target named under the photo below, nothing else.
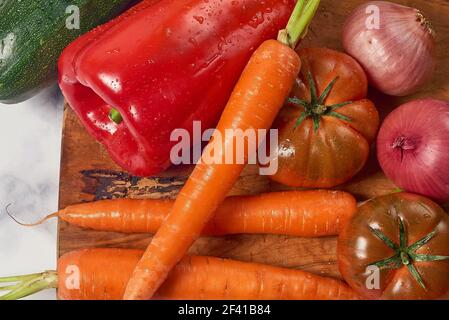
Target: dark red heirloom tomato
(397, 247)
(326, 129)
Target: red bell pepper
(161, 66)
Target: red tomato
(396, 247)
(324, 139)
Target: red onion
(395, 45)
(413, 147)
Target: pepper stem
(23, 286)
(299, 22)
(115, 116)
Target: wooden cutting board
(88, 174)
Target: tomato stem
(406, 255)
(317, 108)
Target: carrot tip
(53, 215)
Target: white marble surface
(30, 138)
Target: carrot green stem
(28, 284)
(299, 22)
(18, 278)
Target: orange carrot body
(296, 213)
(118, 215)
(256, 100)
(197, 278)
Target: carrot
(297, 213)
(87, 275)
(256, 100)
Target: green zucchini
(33, 34)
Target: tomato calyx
(406, 255)
(316, 108)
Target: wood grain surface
(88, 174)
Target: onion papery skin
(413, 148)
(398, 57)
